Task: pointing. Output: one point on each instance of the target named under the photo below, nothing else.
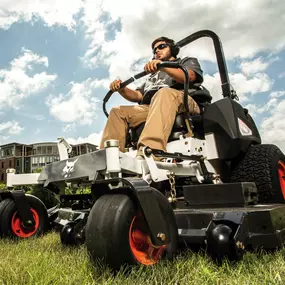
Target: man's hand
(152, 66)
(116, 85)
(127, 93)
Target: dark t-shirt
(161, 79)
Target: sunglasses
(160, 47)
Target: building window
(2, 164)
(10, 163)
(39, 150)
(49, 149)
(49, 159)
(34, 162)
(44, 150)
(41, 161)
(54, 150)
(2, 176)
(18, 162)
(6, 152)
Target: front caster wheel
(116, 231)
(72, 235)
(221, 244)
(11, 224)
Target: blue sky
(57, 60)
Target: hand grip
(169, 64)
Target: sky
(58, 58)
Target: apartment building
(28, 158)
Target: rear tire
(11, 225)
(116, 232)
(264, 165)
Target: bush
(3, 187)
(46, 196)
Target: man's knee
(114, 111)
(165, 94)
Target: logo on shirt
(156, 82)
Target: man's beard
(167, 58)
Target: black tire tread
(256, 166)
(3, 205)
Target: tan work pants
(159, 117)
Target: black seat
(202, 97)
(180, 127)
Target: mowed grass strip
(45, 260)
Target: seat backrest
(201, 96)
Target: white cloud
(93, 138)
(27, 60)
(52, 12)
(4, 139)
(273, 127)
(77, 106)
(37, 131)
(255, 109)
(256, 65)
(11, 128)
(277, 94)
(244, 85)
(142, 21)
(68, 128)
(16, 84)
(281, 75)
(269, 107)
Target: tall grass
(45, 260)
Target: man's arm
(177, 74)
(131, 95)
(127, 93)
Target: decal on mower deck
(68, 168)
(84, 166)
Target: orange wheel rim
(18, 227)
(140, 243)
(281, 174)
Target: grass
(45, 260)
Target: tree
(3, 187)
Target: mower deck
(253, 226)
